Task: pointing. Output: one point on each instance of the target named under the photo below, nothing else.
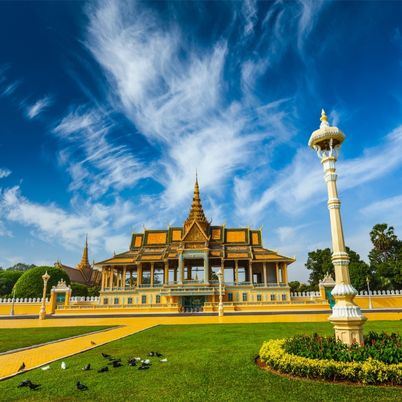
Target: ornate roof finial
(324, 119)
(84, 263)
(196, 211)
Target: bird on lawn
(158, 354)
(106, 356)
(116, 364)
(81, 387)
(147, 361)
(45, 368)
(151, 354)
(33, 387)
(86, 367)
(144, 367)
(103, 369)
(22, 367)
(24, 383)
(63, 365)
(137, 359)
(163, 360)
(132, 362)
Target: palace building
(176, 269)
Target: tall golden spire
(196, 211)
(84, 263)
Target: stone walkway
(41, 355)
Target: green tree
(20, 266)
(78, 289)
(386, 256)
(30, 284)
(320, 263)
(7, 282)
(294, 286)
(94, 291)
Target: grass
(205, 363)
(11, 339)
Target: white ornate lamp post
(42, 313)
(220, 306)
(346, 315)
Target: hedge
(7, 282)
(30, 284)
(368, 372)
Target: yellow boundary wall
(298, 304)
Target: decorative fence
(23, 300)
(79, 299)
(361, 293)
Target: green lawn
(19, 338)
(206, 363)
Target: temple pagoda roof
(196, 234)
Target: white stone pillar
(206, 268)
(264, 268)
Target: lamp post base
(349, 330)
(42, 314)
(220, 310)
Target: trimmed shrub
(78, 289)
(370, 371)
(30, 284)
(7, 281)
(383, 347)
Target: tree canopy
(386, 256)
(319, 262)
(7, 282)
(30, 284)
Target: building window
(105, 300)
(144, 299)
(230, 296)
(129, 300)
(284, 297)
(116, 300)
(272, 297)
(259, 298)
(244, 296)
(157, 299)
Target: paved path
(41, 355)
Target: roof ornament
(323, 119)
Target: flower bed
(383, 347)
(370, 371)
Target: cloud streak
(34, 110)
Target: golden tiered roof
(196, 234)
(84, 263)
(196, 211)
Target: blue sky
(108, 108)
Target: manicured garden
(11, 339)
(204, 363)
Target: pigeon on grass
(81, 387)
(103, 369)
(24, 383)
(86, 367)
(45, 368)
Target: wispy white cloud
(4, 173)
(54, 224)
(38, 107)
(302, 180)
(176, 96)
(94, 160)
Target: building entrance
(192, 304)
